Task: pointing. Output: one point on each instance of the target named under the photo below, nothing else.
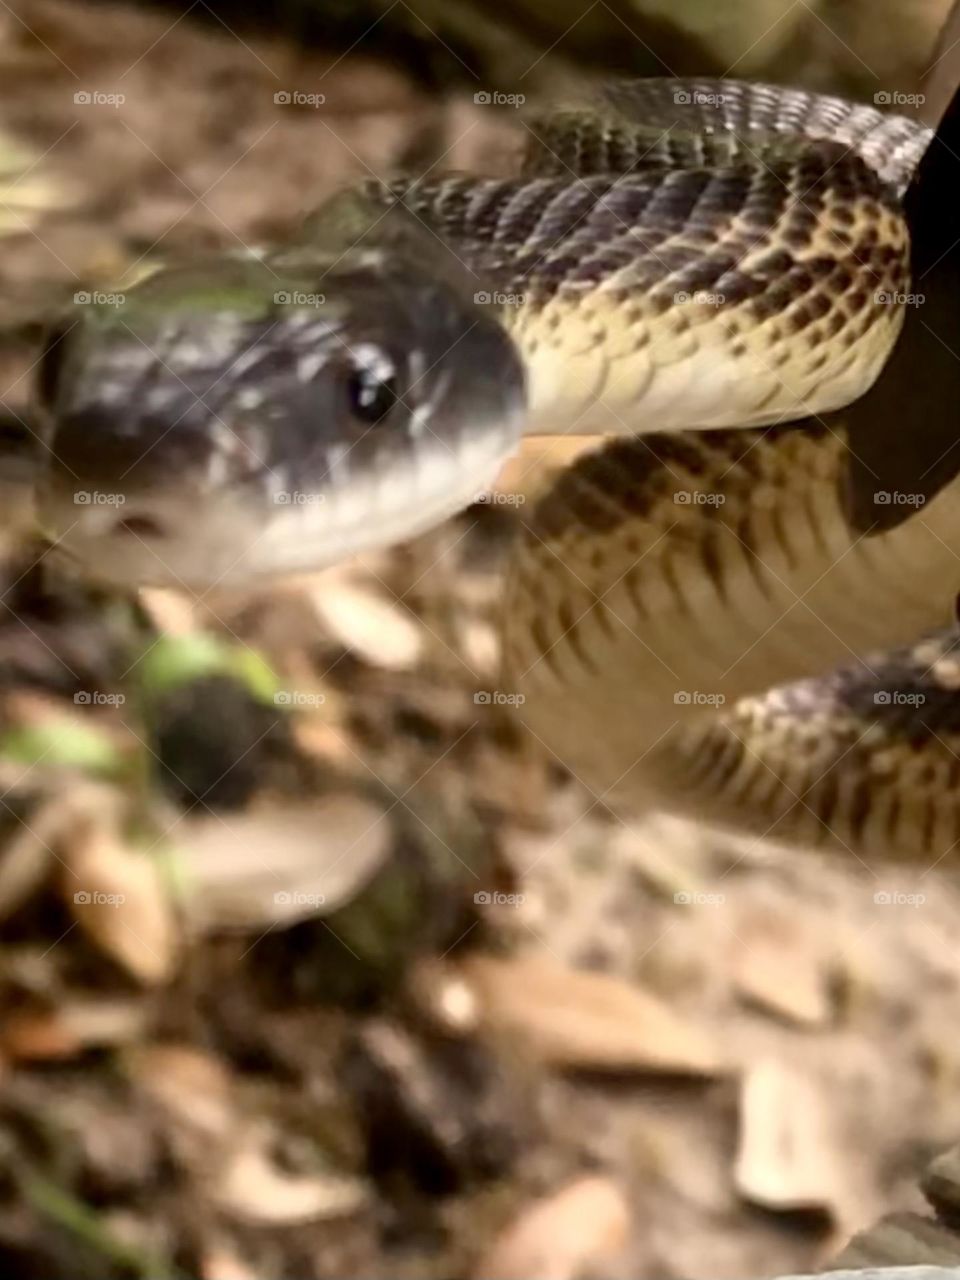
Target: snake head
(239, 417)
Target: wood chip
(574, 1232)
(276, 866)
(591, 1021)
(379, 631)
(788, 1158)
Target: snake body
(689, 257)
(701, 261)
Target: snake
(741, 293)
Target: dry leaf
(104, 1021)
(788, 1158)
(782, 964)
(36, 1036)
(788, 980)
(219, 1262)
(594, 1021)
(252, 1187)
(276, 866)
(377, 630)
(118, 897)
(193, 1088)
(172, 612)
(28, 855)
(575, 1231)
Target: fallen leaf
(252, 1187)
(276, 866)
(37, 1035)
(781, 970)
(120, 899)
(377, 630)
(592, 1021)
(193, 1088)
(563, 1236)
(28, 855)
(788, 1157)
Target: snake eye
(372, 390)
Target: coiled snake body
(670, 258)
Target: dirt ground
(312, 964)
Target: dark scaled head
(238, 417)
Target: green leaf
(178, 660)
(65, 742)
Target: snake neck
(664, 585)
